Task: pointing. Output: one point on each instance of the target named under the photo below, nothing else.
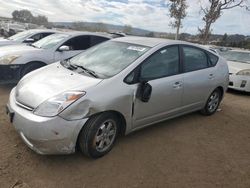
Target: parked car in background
(239, 69)
(211, 47)
(16, 61)
(27, 37)
(117, 87)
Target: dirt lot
(191, 151)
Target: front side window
(97, 40)
(109, 58)
(194, 59)
(164, 62)
(78, 43)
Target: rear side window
(46, 34)
(213, 59)
(96, 40)
(79, 43)
(162, 63)
(194, 59)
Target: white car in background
(239, 69)
(18, 60)
(29, 36)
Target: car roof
(42, 30)
(151, 42)
(80, 33)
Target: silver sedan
(117, 87)
(18, 60)
(26, 37)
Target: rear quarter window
(213, 59)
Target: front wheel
(98, 135)
(213, 103)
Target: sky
(146, 14)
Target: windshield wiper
(74, 66)
(92, 73)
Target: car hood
(235, 66)
(17, 50)
(5, 42)
(49, 81)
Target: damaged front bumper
(10, 73)
(44, 135)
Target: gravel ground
(190, 151)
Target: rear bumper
(240, 83)
(10, 73)
(53, 135)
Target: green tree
(25, 16)
(213, 12)
(178, 12)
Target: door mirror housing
(144, 91)
(64, 48)
(29, 40)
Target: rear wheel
(98, 135)
(213, 103)
(30, 67)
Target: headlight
(244, 72)
(57, 104)
(6, 60)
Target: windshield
(109, 58)
(50, 41)
(243, 57)
(20, 37)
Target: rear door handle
(177, 85)
(211, 76)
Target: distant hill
(4, 18)
(93, 25)
(235, 40)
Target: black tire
(30, 67)
(214, 98)
(94, 129)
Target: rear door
(162, 71)
(198, 76)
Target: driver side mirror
(144, 91)
(64, 48)
(29, 40)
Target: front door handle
(177, 85)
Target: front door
(161, 70)
(76, 46)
